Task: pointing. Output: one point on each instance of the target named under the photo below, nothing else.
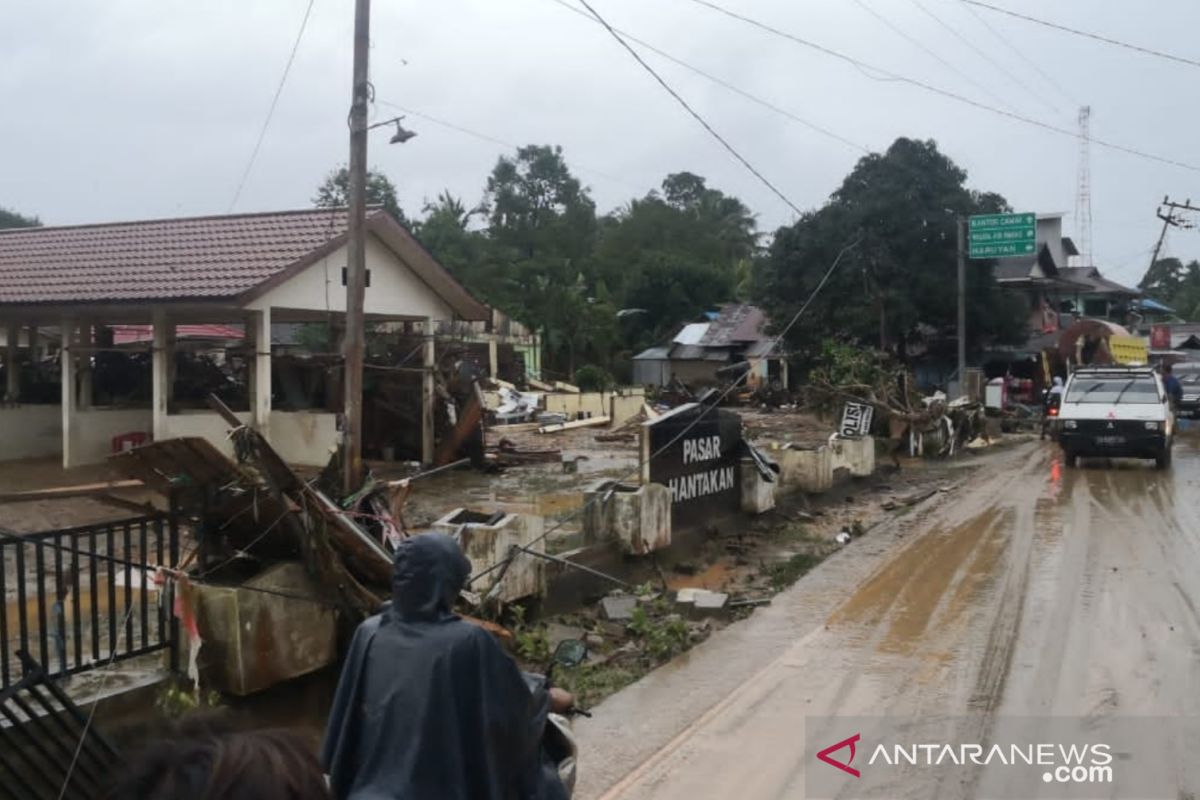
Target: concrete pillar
(258, 328)
(12, 375)
(494, 357)
(67, 361)
(429, 362)
(160, 369)
(84, 364)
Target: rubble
(618, 607)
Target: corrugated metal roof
(691, 334)
(736, 323)
(653, 354)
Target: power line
(274, 101)
(931, 53)
(984, 55)
(942, 92)
(1095, 36)
(721, 82)
(695, 114)
(1021, 55)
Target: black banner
(701, 468)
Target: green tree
(1171, 282)
(11, 219)
(898, 283)
(334, 192)
(446, 231)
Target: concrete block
(758, 494)
(618, 607)
(486, 543)
(806, 470)
(556, 632)
(857, 456)
(638, 518)
(252, 640)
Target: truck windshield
(1113, 389)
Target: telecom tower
(1083, 200)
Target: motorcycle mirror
(570, 653)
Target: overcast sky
(133, 109)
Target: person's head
(1168, 369)
(430, 571)
(208, 760)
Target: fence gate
(80, 598)
(48, 749)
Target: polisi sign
(699, 464)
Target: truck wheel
(1163, 459)
(1070, 459)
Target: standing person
(1172, 386)
(428, 706)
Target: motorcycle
(560, 751)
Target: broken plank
(593, 422)
(567, 388)
(541, 386)
(60, 492)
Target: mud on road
(1036, 591)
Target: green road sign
(1002, 235)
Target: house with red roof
(149, 287)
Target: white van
(1116, 412)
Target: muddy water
(1034, 590)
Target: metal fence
(83, 597)
(48, 748)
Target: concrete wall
(32, 431)
(621, 406)
(304, 437)
(395, 290)
(206, 424)
(637, 518)
(92, 431)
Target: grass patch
(591, 683)
(783, 574)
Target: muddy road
(1031, 591)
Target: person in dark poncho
(428, 705)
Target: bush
(591, 378)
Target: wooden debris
(593, 422)
(541, 386)
(60, 492)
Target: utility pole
(962, 306)
(356, 267)
(1170, 220)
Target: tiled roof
(171, 259)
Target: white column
(67, 361)
(84, 364)
(427, 394)
(12, 380)
(160, 370)
(494, 358)
(258, 328)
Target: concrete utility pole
(356, 266)
(962, 306)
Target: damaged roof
(736, 323)
(228, 257)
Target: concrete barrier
(252, 640)
(758, 494)
(638, 518)
(813, 470)
(486, 543)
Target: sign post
(988, 236)
(1002, 235)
